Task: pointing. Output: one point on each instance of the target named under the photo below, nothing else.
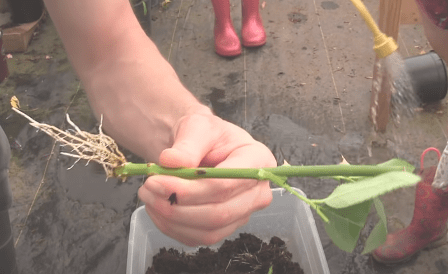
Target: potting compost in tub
(287, 218)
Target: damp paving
(305, 95)
(87, 184)
(329, 5)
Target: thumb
(194, 138)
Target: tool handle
(359, 5)
(383, 45)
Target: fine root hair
(98, 148)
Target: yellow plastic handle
(383, 45)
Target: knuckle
(165, 210)
(265, 202)
(161, 184)
(165, 187)
(141, 192)
(162, 226)
(221, 217)
(269, 159)
(264, 199)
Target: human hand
(207, 210)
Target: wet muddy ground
(305, 94)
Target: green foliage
(145, 9)
(379, 232)
(391, 163)
(348, 206)
(344, 211)
(345, 224)
(399, 162)
(347, 195)
(136, 3)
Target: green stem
(131, 169)
(277, 175)
(281, 182)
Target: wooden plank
(389, 23)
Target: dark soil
(246, 254)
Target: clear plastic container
(287, 217)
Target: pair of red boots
(428, 227)
(227, 42)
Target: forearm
(437, 37)
(126, 78)
(91, 30)
(434, 15)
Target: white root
(99, 148)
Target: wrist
(141, 103)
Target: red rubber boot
(227, 42)
(428, 227)
(252, 32)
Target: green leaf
(347, 179)
(345, 224)
(379, 233)
(393, 162)
(399, 162)
(145, 10)
(346, 195)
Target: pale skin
(437, 37)
(146, 108)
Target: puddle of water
(87, 184)
(224, 105)
(297, 17)
(64, 236)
